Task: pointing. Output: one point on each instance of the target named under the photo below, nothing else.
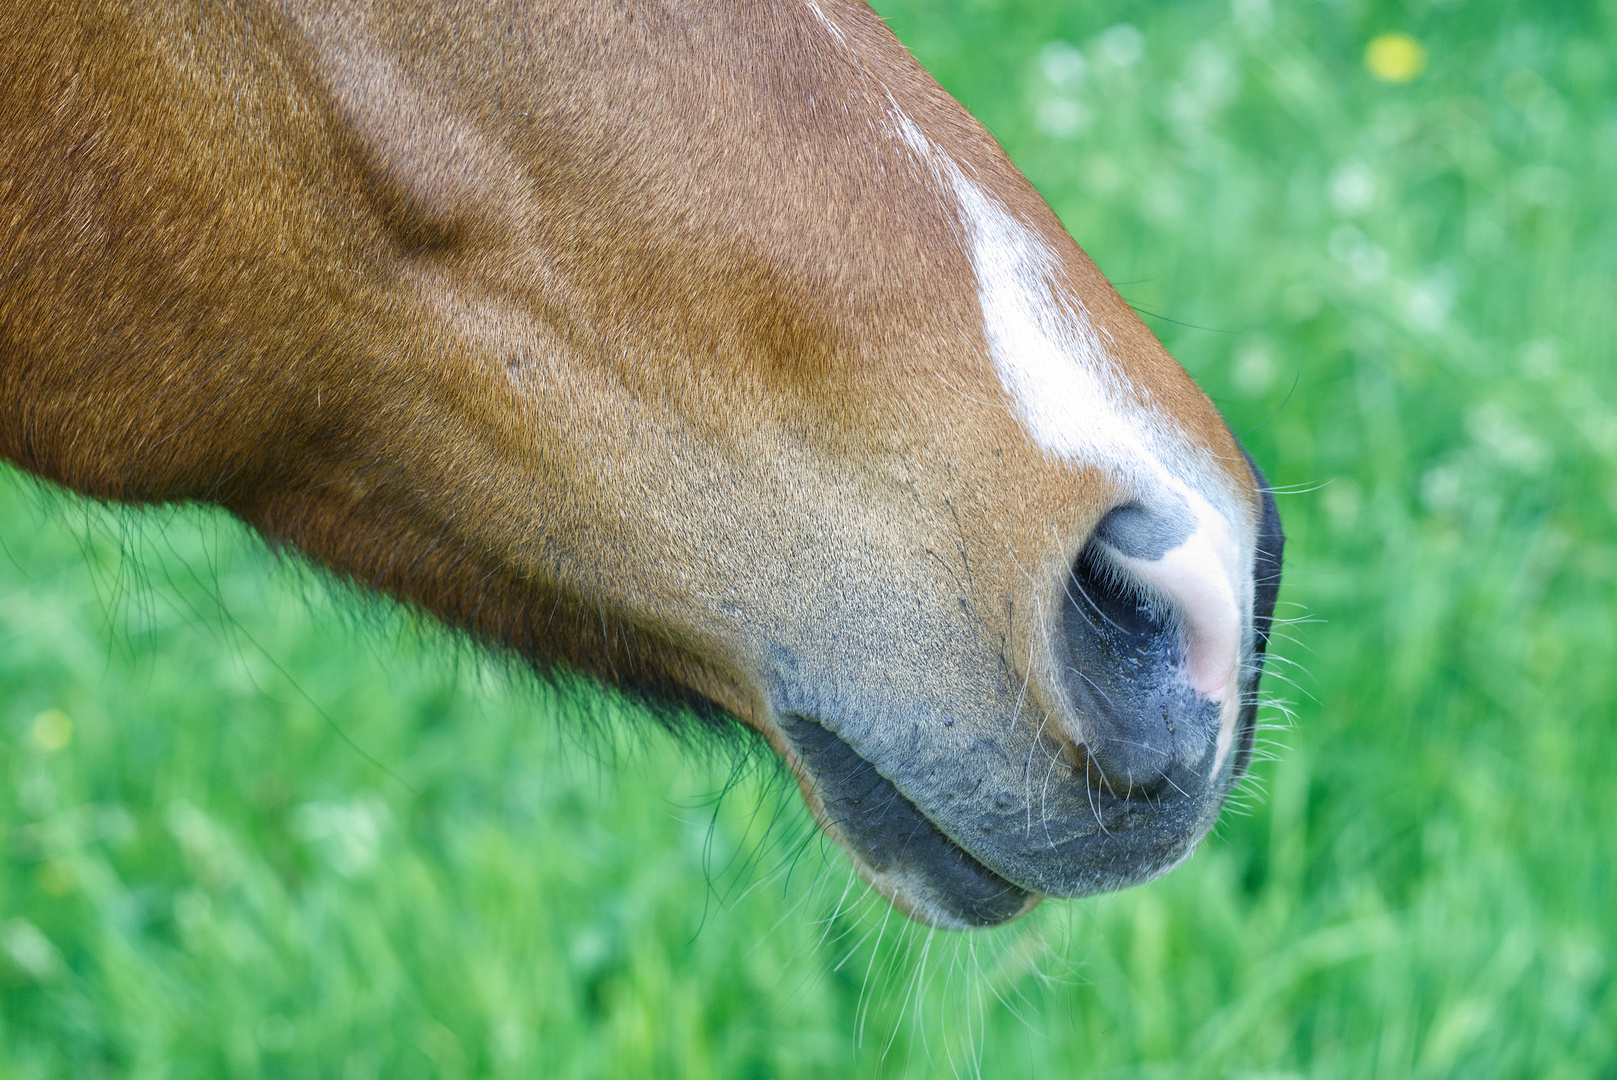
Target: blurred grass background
(252, 828)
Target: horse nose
(1143, 727)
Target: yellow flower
(52, 730)
(1395, 58)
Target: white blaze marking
(1071, 397)
(1050, 359)
(829, 25)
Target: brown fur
(592, 329)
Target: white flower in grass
(1343, 500)
(1493, 428)
(1442, 488)
(1365, 259)
(1352, 188)
(1063, 65)
(348, 835)
(1121, 46)
(1061, 117)
(1254, 369)
(1429, 303)
(28, 947)
(1541, 358)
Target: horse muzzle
(967, 817)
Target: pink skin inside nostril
(1197, 582)
(1192, 579)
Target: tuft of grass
(255, 828)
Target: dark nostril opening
(1130, 621)
(1141, 722)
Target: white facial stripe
(1069, 393)
(1050, 360)
(826, 20)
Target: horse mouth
(925, 873)
(897, 848)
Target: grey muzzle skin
(1146, 764)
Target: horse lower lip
(1068, 846)
(894, 839)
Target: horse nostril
(1139, 719)
(1133, 622)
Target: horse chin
(916, 899)
(895, 847)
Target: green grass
(255, 828)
